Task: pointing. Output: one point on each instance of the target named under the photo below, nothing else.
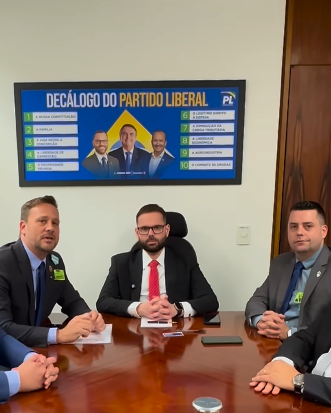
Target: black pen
(158, 322)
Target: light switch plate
(243, 235)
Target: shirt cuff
(285, 359)
(14, 382)
(254, 320)
(28, 356)
(51, 337)
(132, 309)
(188, 309)
(293, 330)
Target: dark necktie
(128, 161)
(291, 287)
(104, 163)
(40, 292)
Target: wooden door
(307, 169)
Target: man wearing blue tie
(299, 283)
(133, 161)
(33, 279)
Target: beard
(155, 248)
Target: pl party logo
(228, 98)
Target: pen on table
(158, 322)
(193, 331)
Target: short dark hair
(129, 126)
(26, 208)
(147, 209)
(159, 131)
(99, 131)
(310, 206)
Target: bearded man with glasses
(155, 281)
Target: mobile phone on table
(211, 319)
(218, 340)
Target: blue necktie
(40, 292)
(291, 287)
(104, 163)
(128, 161)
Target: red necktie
(153, 287)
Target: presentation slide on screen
(114, 133)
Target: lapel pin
(318, 273)
(50, 268)
(55, 259)
(133, 286)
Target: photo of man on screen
(159, 158)
(133, 161)
(101, 164)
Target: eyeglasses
(98, 142)
(157, 229)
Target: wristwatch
(299, 382)
(180, 309)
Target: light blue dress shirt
(35, 262)
(292, 314)
(14, 378)
(154, 163)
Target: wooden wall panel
(307, 173)
(304, 146)
(311, 42)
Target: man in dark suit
(101, 164)
(155, 281)
(299, 282)
(31, 371)
(159, 160)
(133, 161)
(33, 279)
(302, 364)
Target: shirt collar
(157, 157)
(311, 261)
(147, 259)
(101, 156)
(124, 151)
(34, 260)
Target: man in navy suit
(133, 161)
(159, 160)
(30, 371)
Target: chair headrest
(178, 226)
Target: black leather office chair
(178, 230)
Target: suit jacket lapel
(170, 274)
(121, 158)
(315, 275)
(135, 159)
(160, 167)
(50, 266)
(136, 272)
(25, 268)
(284, 280)
(96, 161)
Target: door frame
(282, 127)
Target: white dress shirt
(322, 368)
(188, 310)
(101, 156)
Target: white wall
(87, 40)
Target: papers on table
(148, 323)
(96, 338)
